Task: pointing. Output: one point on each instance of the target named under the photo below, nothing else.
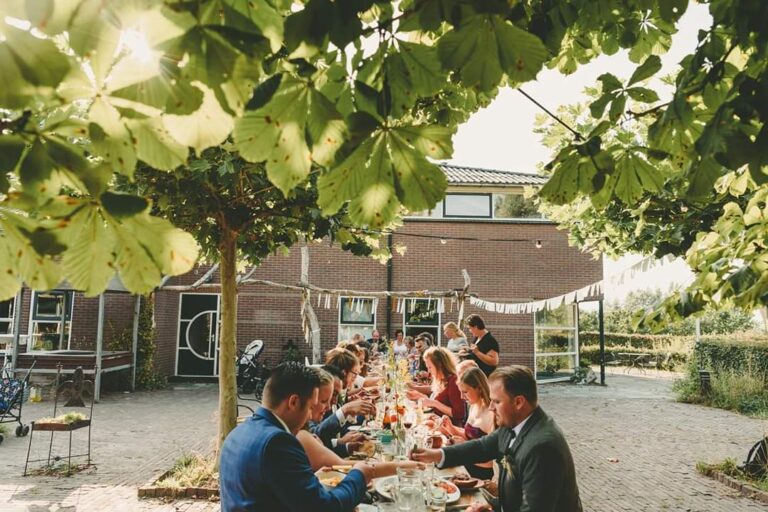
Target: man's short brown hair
(517, 380)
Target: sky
(501, 136)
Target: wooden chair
(73, 393)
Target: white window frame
(574, 329)
(439, 325)
(10, 319)
(67, 323)
(344, 325)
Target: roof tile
(458, 175)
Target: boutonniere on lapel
(505, 461)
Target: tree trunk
(228, 336)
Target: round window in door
(198, 338)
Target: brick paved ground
(656, 441)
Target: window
(514, 206)
(6, 316)
(51, 318)
(556, 342)
(434, 213)
(422, 315)
(357, 315)
(467, 205)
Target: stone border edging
(744, 489)
(150, 490)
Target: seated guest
(319, 456)
(465, 365)
(399, 345)
(360, 381)
(474, 388)
(263, 466)
(373, 341)
(330, 425)
(536, 466)
(446, 397)
(484, 349)
(456, 337)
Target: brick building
(484, 225)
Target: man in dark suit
(264, 468)
(537, 471)
(331, 428)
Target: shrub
(639, 341)
(739, 376)
(669, 359)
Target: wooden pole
(135, 339)
(99, 350)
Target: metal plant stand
(73, 392)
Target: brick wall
(500, 271)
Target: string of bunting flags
(589, 291)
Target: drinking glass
(409, 489)
(437, 499)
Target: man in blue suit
(264, 468)
(332, 428)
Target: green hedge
(740, 356)
(669, 359)
(645, 342)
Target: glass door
(198, 339)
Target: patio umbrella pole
(601, 327)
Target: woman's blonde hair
(453, 326)
(476, 379)
(444, 363)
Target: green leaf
(39, 60)
(123, 205)
(37, 271)
(484, 47)
(610, 82)
(89, 262)
(110, 139)
(423, 65)
(264, 16)
(597, 107)
(44, 241)
(207, 127)
(366, 179)
(11, 149)
(275, 133)
(634, 176)
(154, 145)
(645, 70)
(617, 107)
(175, 96)
(430, 140)
(643, 94)
(419, 183)
(326, 128)
(36, 167)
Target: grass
(730, 467)
(746, 393)
(191, 470)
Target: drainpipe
(390, 270)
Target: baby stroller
(13, 393)
(251, 373)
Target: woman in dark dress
(446, 398)
(480, 421)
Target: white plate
(364, 507)
(383, 486)
(325, 476)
